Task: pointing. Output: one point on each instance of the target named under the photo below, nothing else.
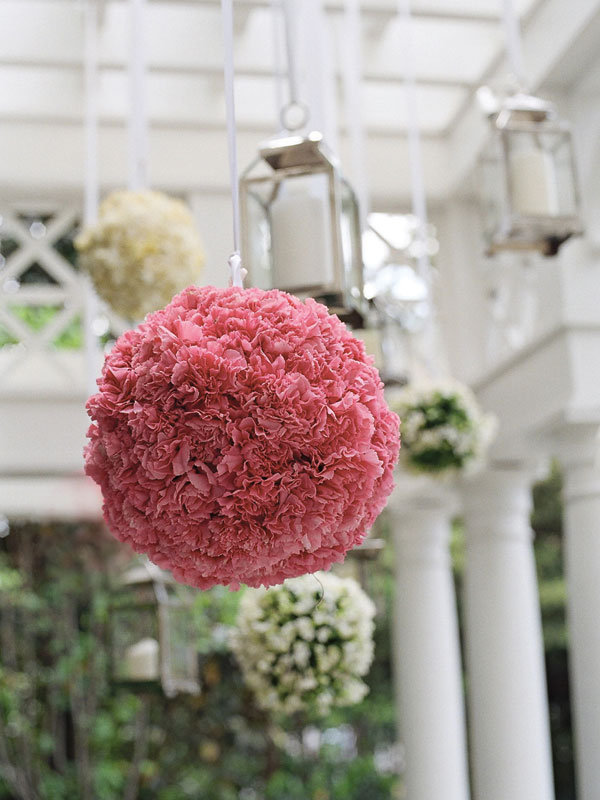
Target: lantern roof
(295, 152)
(517, 106)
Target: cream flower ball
(306, 644)
(143, 250)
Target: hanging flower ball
(444, 431)
(303, 647)
(241, 436)
(143, 249)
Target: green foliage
(82, 736)
(37, 317)
(547, 503)
(327, 780)
(214, 612)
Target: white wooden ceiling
(458, 44)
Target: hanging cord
(276, 20)
(514, 45)
(91, 189)
(419, 200)
(295, 114)
(322, 597)
(90, 67)
(138, 122)
(352, 55)
(432, 351)
(235, 260)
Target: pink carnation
(241, 436)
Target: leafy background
(68, 733)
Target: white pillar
(507, 694)
(427, 660)
(579, 455)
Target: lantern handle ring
(294, 115)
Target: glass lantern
(152, 633)
(531, 198)
(301, 225)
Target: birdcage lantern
(301, 226)
(152, 633)
(531, 196)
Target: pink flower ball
(241, 436)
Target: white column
(579, 455)
(507, 694)
(427, 660)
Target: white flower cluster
(303, 647)
(143, 250)
(444, 431)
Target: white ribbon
(278, 57)
(430, 348)
(138, 122)
(235, 262)
(91, 187)
(419, 198)
(514, 45)
(290, 9)
(352, 55)
(90, 67)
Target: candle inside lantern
(141, 661)
(533, 181)
(301, 245)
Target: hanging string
(321, 598)
(431, 351)
(289, 12)
(278, 59)
(138, 123)
(321, 70)
(90, 68)
(352, 55)
(91, 187)
(514, 45)
(419, 199)
(294, 115)
(235, 261)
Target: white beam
(50, 498)
(184, 39)
(46, 158)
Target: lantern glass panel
(257, 251)
(301, 223)
(540, 172)
(181, 654)
(135, 643)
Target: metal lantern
(301, 226)
(531, 197)
(152, 633)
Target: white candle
(533, 180)
(141, 661)
(301, 243)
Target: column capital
(497, 501)
(577, 442)
(578, 449)
(422, 492)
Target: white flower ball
(444, 431)
(142, 251)
(303, 647)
